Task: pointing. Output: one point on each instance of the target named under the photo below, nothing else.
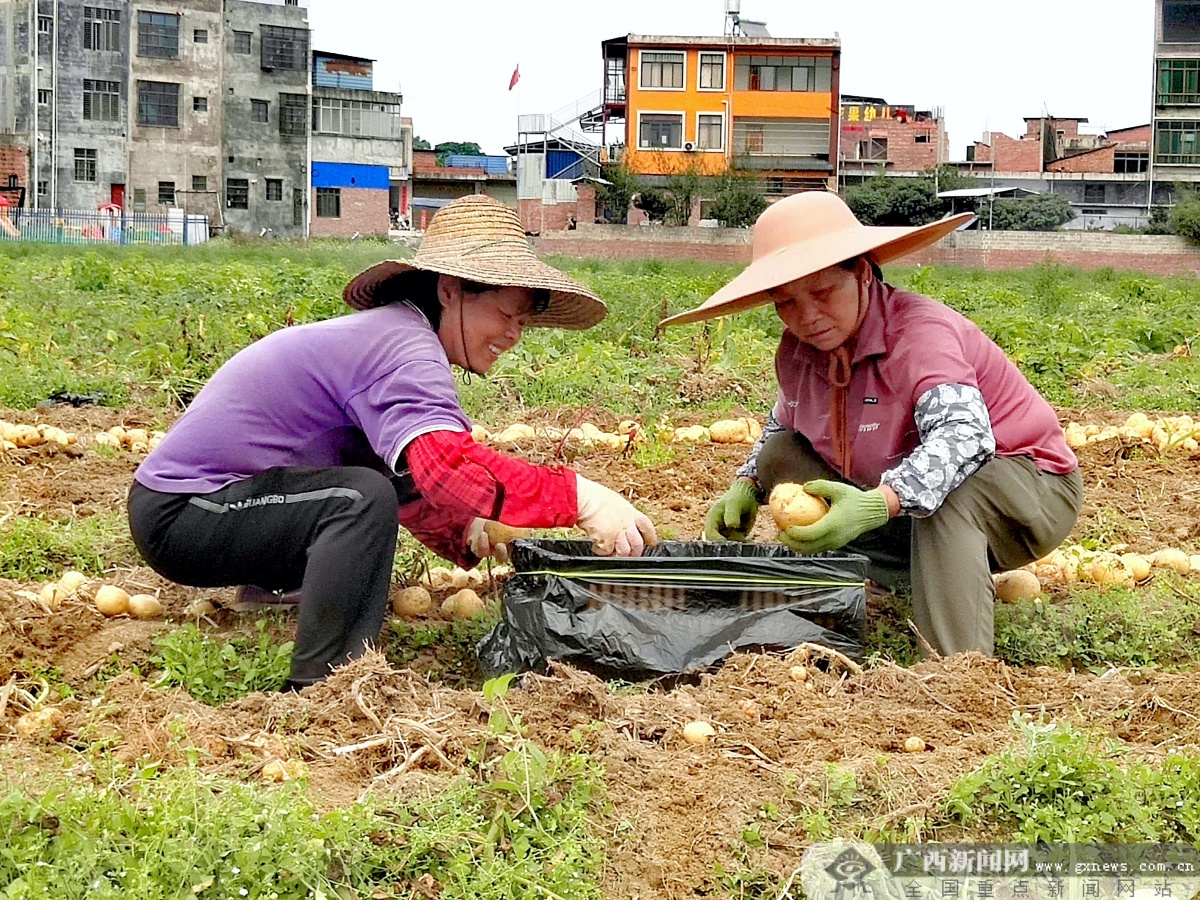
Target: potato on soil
(913, 744)
(112, 601)
(698, 732)
(1138, 565)
(1175, 560)
(145, 606)
(278, 770)
(1017, 585)
(44, 724)
(729, 431)
(791, 505)
(412, 601)
(459, 578)
(517, 433)
(463, 605)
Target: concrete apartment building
(749, 100)
(207, 107)
(361, 149)
(1176, 107)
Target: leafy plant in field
(148, 835)
(1061, 785)
(35, 548)
(1101, 629)
(213, 671)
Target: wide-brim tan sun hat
(481, 240)
(803, 234)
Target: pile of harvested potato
(588, 436)
(108, 599)
(463, 603)
(1165, 434)
(1075, 564)
(19, 437)
(135, 440)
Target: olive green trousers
(1006, 515)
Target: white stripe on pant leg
(275, 499)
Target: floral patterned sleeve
(956, 440)
(749, 468)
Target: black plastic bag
(682, 607)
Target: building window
(199, 184)
(921, 138)
(101, 28)
(1131, 163)
(101, 100)
(85, 165)
(139, 199)
(782, 137)
(783, 73)
(166, 193)
(660, 131)
(299, 195)
(158, 104)
(1093, 193)
(45, 37)
(274, 188)
(43, 188)
(1180, 21)
(1177, 143)
(237, 193)
(356, 118)
(284, 48)
(158, 35)
(241, 42)
(872, 149)
(200, 36)
(199, 104)
(754, 142)
(259, 111)
(710, 132)
(1094, 212)
(293, 114)
(712, 71)
(44, 97)
(661, 70)
(329, 203)
(1178, 82)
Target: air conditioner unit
(689, 145)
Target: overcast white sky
(986, 64)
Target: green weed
(37, 548)
(214, 671)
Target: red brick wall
(904, 154)
(15, 161)
(1016, 156)
(364, 211)
(1102, 160)
(1000, 250)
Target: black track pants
(330, 532)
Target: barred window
(85, 165)
(241, 42)
(101, 100)
(357, 118)
(329, 203)
(101, 28)
(199, 184)
(200, 35)
(158, 103)
(166, 193)
(293, 114)
(274, 188)
(284, 48)
(260, 111)
(199, 104)
(158, 35)
(139, 199)
(237, 193)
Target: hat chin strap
(469, 368)
(839, 377)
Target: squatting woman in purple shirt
(940, 461)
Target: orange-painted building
(762, 104)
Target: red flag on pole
(516, 76)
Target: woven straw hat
(481, 239)
(802, 234)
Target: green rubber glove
(851, 513)
(732, 517)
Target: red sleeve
(454, 473)
(440, 528)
